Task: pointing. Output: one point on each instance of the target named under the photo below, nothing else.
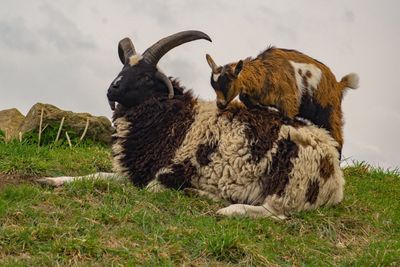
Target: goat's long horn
(155, 52)
(162, 77)
(125, 50)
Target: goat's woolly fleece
(264, 163)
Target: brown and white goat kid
(293, 82)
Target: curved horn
(212, 64)
(125, 50)
(155, 52)
(162, 77)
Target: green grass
(49, 135)
(31, 160)
(108, 223)
(2, 137)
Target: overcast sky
(65, 53)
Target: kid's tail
(350, 81)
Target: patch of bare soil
(15, 179)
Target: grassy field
(112, 224)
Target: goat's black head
(140, 79)
(223, 81)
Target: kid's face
(223, 81)
(222, 84)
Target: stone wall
(12, 122)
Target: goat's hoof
(52, 181)
(155, 187)
(232, 210)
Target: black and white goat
(260, 161)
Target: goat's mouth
(113, 98)
(112, 104)
(112, 101)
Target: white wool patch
(133, 60)
(203, 128)
(122, 130)
(307, 76)
(231, 175)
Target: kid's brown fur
(270, 79)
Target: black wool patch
(262, 130)
(180, 177)
(312, 191)
(204, 152)
(277, 178)
(158, 128)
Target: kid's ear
(214, 67)
(238, 68)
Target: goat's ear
(211, 63)
(125, 50)
(238, 68)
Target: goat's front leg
(264, 210)
(61, 180)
